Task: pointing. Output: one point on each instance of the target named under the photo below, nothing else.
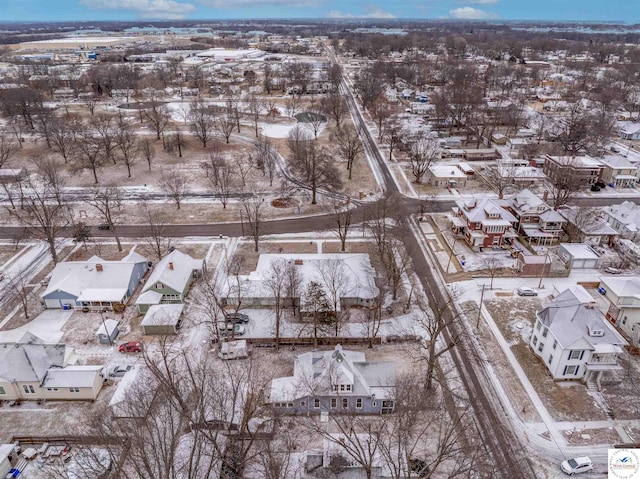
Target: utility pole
(451, 253)
(480, 308)
(544, 265)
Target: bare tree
(89, 154)
(311, 164)
(293, 286)
(252, 211)
(276, 282)
(50, 173)
(335, 106)
(244, 165)
(155, 239)
(349, 145)
(255, 106)
(148, 151)
(221, 175)
(226, 123)
(376, 222)
(8, 148)
(392, 133)
(62, 138)
(265, 157)
(334, 280)
(315, 120)
(202, 122)
(17, 282)
(175, 184)
(103, 125)
(234, 111)
(342, 216)
(109, 203)
(158, 115)
(126, 144)
(424, 151)
(563, 188)
(45, 218)
(317, 305)
(492, 266)
(396, 261)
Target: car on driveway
(234, 329)
(118, 370)
(526, 292)
(130, 347)
(238, 318)
(576, 465)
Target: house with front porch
(482, 222)
(583, 226)
(624, 304)
(536, 220)
(95, 284)
(618, 172)
(170, 280)
(337, 382)
(574, 340)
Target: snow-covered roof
(627, 213)
(29, 359)
(569, 320)
(576, 161)
(552, 215)
(590, 226)
(355, 267)
(162, 315)
(102, 294)
(579, 250)
(110, 277)
(617, 161)
(446, 171)
(630, 128)
(316, 372)
(72, 376)
(622, 287)
(107, 327)
(477, 209)
(149, 297)
(174, 271)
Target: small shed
(578, 255)
(234, 350)
(108, 331)
(532, 266)
(162, 319)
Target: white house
(624, 218)
(574, 340)
(336, 381)
(618, 172)
(624, 304)
(446, 176)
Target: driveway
(47, 326)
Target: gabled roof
(72, 376)
(29, 359)
(627, 213)
(74, 277)
(162, 315)
(623, 287)
(316, 372)
(475, 210)
(569, 320)
(174, 271)
(590, 226)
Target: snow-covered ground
(47, 326)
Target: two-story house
(574, 341)
(338, 382)
(537, 221)
(170, 280)
(482, 222)
(624, 218)
(624, 304)
(618, 172)
(583, 226)
(585, 168)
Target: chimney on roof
(545, 195)
(170, 265)
(98, 267)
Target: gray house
(170, 280)
(337, 382)
(162, 319)
(95, 284)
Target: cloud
(370, 12)
(470, 13)
(165, 9)
(480, 2)
(258, 3)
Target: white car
(576, 465)
(527, 292)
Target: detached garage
(162, 319)
(578, 256)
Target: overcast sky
(60, 10)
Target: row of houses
(486, 222)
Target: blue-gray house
(337, 382)
(95, 284)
